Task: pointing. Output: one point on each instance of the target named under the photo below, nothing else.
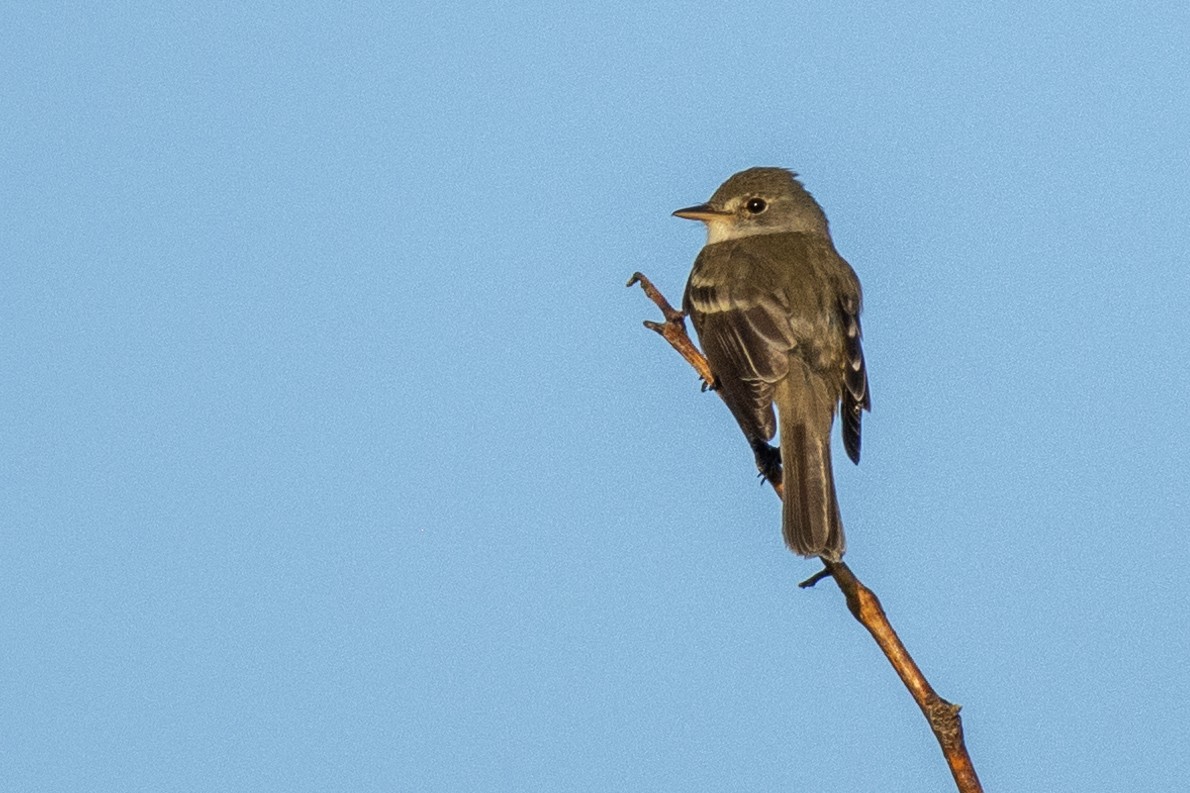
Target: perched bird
(777, 311)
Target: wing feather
(747, 334)
(856, 397)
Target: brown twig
(942, 716)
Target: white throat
(721, 231)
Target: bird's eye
(756, 205)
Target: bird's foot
(768, 462)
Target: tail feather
(810, 519)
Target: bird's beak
(703, 212)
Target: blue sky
(335, 456)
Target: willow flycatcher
(777, 312)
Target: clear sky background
(334, 456)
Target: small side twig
(942, 716)
(814, 579)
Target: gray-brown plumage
(777, 312)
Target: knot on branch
(944, 720)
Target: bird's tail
(810, 519)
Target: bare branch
(942, 716)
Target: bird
(777, 313)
